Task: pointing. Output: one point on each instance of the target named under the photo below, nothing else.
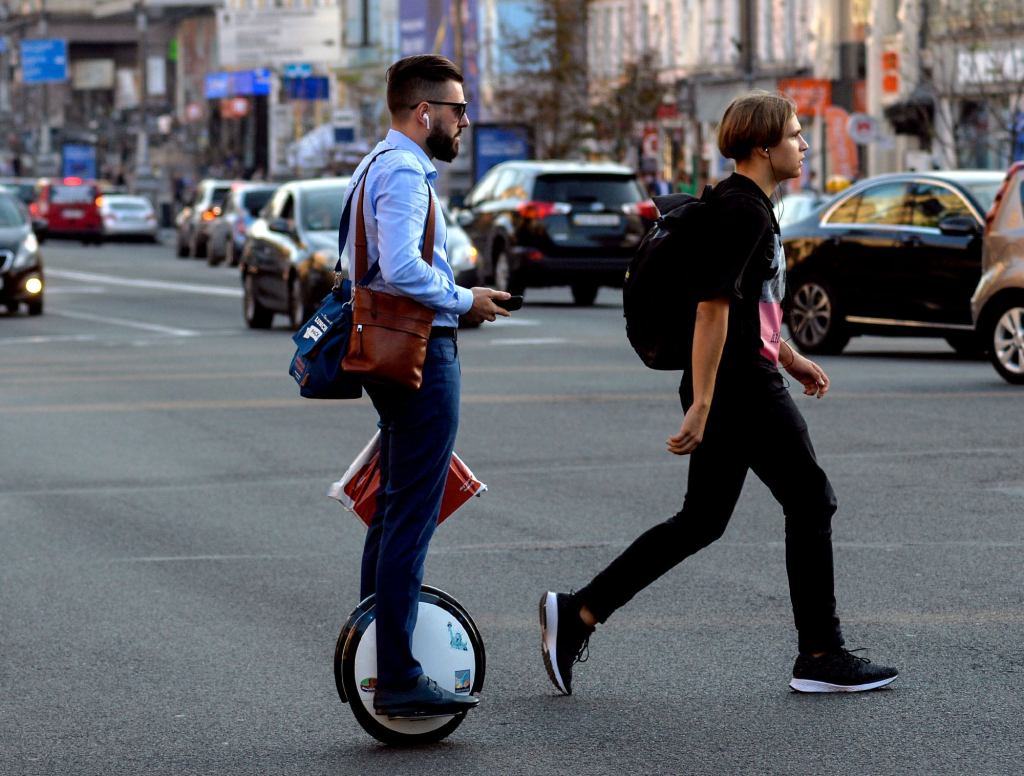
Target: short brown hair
(754, 120)
(414, 79)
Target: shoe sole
(809, 685)
(548, 639)
(413, 713)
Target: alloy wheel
(811, 314)
(1008, 341)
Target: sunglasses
(460, 107)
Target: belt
(444, 332)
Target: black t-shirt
(744, 262)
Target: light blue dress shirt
(395, 210)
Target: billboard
(497, 143)
(449, 28)
(277, 36)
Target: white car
(125, 215)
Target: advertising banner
(278, 36)
(449, 28)
(497, 143)
(79, 161)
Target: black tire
(213, 256)
(1003, 333)
(197, 247)
(503, 278)
(256, 315)
(584, 294)
(182, 248)
(34, 308)
(965, 344)
(814, 318)
(348, 691)
(230, 256)
(296, 306)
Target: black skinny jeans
(753, 424)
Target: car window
(984, 193)
(321, 208)
(610, 190)
(71, 195)
(885, 204)
(505, 185)
(482, 191)
(930, 204)
(219, 195)
(846, 213)
(253, 201)
(287, 210)
(127, 205)
(10, 213)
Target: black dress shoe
(424, 699)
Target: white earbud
(426, 119)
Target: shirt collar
(403, 141)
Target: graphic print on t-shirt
(773, 290)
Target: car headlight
(463, 259)
(27, 255)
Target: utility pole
(142, 148)
(748, 40)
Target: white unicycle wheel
(447, 644)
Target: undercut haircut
(754, 120)
(414, 79)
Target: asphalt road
(173, 578)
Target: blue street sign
(497, 143)
(313, 88)
(240, 83)
(44, 60)
(298, 70)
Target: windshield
(10, 213)
(321, 208)
(984, 193)
(127, 204)
(612, 191)
(253, 201)
(72, 195)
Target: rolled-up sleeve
(400, 205)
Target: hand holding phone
(511, 304)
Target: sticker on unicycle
(463, 682)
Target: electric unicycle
(447, 644)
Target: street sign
(863, 128)
(44, 60)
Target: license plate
(595, 219)
(74, 213)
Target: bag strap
(343, 224)
(361, 259)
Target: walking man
(428, 113)
(738, 416)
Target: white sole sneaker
(549, 637)
(810, 685)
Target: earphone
(426, 119)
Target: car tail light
(99, 201)
(534, 255)
(539, 210)
(645, 209)
(990, 217)
(211, 213)
(72, 181)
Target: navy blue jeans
(753, 426)
(417, 438)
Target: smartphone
(512, 304)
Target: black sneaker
(839, 671)
(564, 638)
(425, 699)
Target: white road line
(174, 332)
(42, 340)
(159, 285)
(70, 290)
(514, 321)
(530, 341)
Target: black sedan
(21, 266)
(896, 254)
(290, 253)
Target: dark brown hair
(414, 79)
(754, 120)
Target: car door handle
(912, 241)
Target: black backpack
(658, 296)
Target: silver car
(998, 301)
(125, 215)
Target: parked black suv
(556, 223)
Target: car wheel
(182, 248)
(1005, 340)
(197, 248)
(34, 308)
(584, 294)
(965, 344)
(214, 255)
(256, 315)
(230, 256)
(504, 279)
(296, 307)
(814, 318)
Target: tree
(633, 101)
(547, 88)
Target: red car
(69, 207)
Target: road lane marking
(156, 327)
(48, 338)
(74, 290)
(158, 285)
(530, 341)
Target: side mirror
(279, 225)
(464, 218)
(959, 226)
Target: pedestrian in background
(738, 416)
(428, 114)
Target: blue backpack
(321, 343)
